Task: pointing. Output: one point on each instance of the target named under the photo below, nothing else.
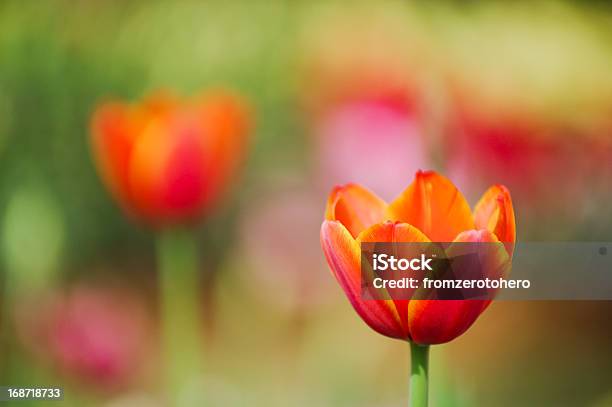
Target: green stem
(419, 371)
(179, 292)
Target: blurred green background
(518, 93)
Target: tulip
(431, 209)
(168, 162)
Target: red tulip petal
(495, 213)
(112, 139)
(185, 182)
(355, 207)
(433, 205)
(394, 232)
(439, 321)
(344, 258)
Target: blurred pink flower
(94, 334)
(371, 142)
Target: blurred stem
(179, 284)
(419, 371)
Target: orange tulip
(168, 161)
(430, 209)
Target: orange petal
(225, 122)
(395, 232)
(392, 232)
(355, 207)
(344, 258)
(112, 141)
(495, 213)
(439, 321)
(434, 205)
(151, 154)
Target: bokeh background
(518, 93)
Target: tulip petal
(225, 121)
(344, 258)
(495, 213)
(439, 321)
(355, 207)
(112, 141)
(394, 232)
(433, 205)
(185, 183)
(147, 171)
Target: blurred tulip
(96, 335)
(483, 143)
(168, 161)
(430, 209)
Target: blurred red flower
(484, 144)
(430, 209)
(165, 160)
(502, 138)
